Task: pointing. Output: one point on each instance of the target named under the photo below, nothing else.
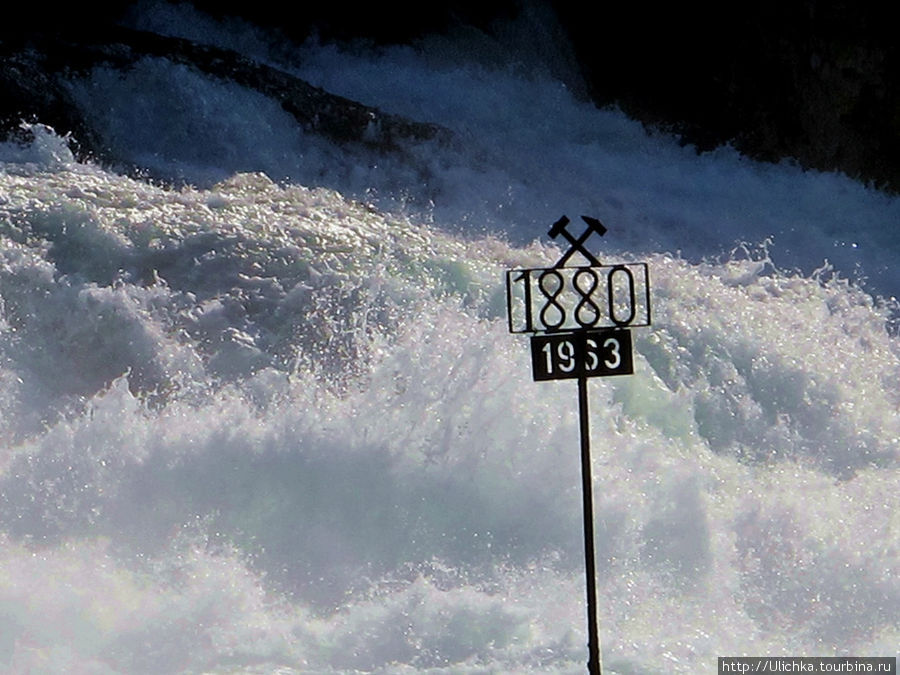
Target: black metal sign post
(587, 506)
(580, 319)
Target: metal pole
(588, 506)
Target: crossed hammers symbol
(559, 228)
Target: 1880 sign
(580, 320)
(579, 316)
(572, 298)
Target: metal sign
(554, 299)
(564, 356)
(580, 320)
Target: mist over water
(268, 418)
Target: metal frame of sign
(613, 296)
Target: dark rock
(814, 80)
(29, 93)
(32, 76)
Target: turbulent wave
(273, 422)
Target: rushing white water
(274, 422)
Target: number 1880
(563, 299)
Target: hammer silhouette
(559, 228)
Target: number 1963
(560, 356)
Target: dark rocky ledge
(817, 81)
(33, 72)
(813, 80)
